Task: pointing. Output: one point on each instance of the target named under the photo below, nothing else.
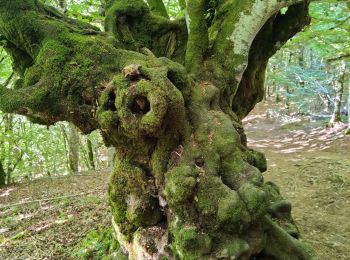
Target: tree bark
(169, 96)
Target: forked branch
(272, 36)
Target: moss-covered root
(281, 245)
(218, 202)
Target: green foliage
(83, 10)
(305, 73)
(5, 66)
(30, 151)
(32, 148)
(173, 8)
(328, 34)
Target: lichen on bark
(185, 184)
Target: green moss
(235, 172)
(162, 36)
(256, 159)
(132, 206)
(235, 249)
(161, 155)
(255, 199)
(197, 43)
(107, 119)
(232, 213)
(179, 185)
(210, 191)
(281, 245)
(191, 243)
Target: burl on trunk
(169, 95)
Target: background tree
(72, 146)
(339, 91)
(311, 79)
(347, 132)
(169, 95)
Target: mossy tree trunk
(169, 95)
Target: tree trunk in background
(111, 156)
(9, 175)
(301, 57)
(277, 91)
(339, 90)
(91, 156)
(2, 175)
(63, 5)
(65, 142)
(73, 148)
(71, 145)
(169, 95)
(347, 132)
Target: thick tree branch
(63, 67)
(274, 34)
(198, 40)
(232, 31)
(69, 58)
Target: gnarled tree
(169, 95)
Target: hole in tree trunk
(111, 101)
(294, 234)
(140, 105)
(199, 162)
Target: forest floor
(311, 165)
(51, 218)
(47, 218)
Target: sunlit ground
(311, 165)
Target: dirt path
(311, 165)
